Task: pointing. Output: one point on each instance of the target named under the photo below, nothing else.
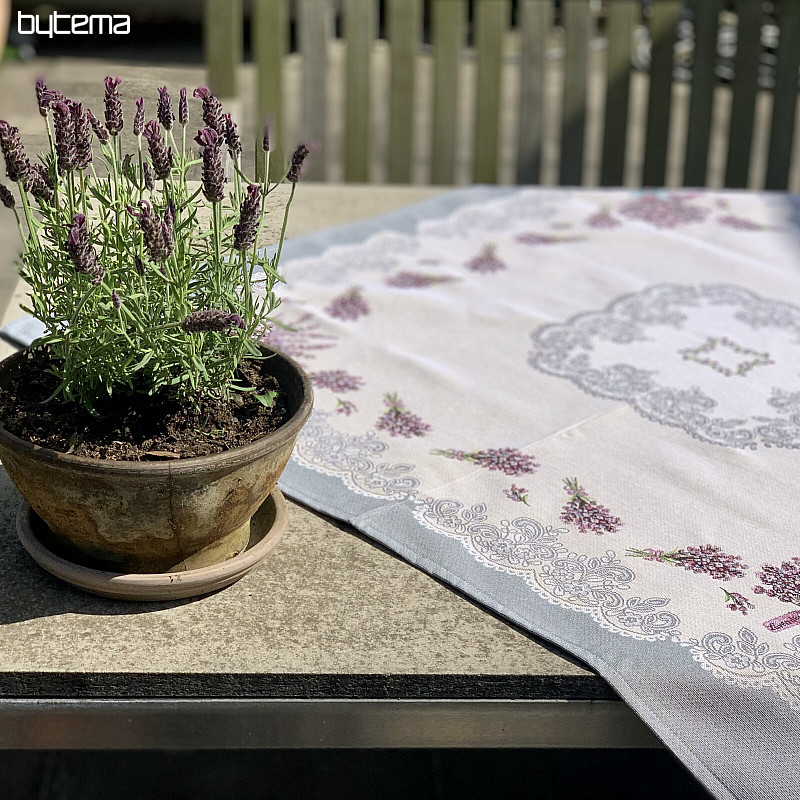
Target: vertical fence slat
(535, 21)
(577, 29)
(404, 27)
(314, 31)
(785, 102)
(360, 30)
(491, 22)
(665, 16)
(619, 29)
(745, 87)
(269, 35)
(706, 24)
(222, 40)
(448, 29)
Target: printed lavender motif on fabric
(348, 306)
(782, 583)
(517, 493)
(507, 460)
(586, 513)
(627, 352)
(337, 380)
(486, 261)
(416, 280)
(664, 211)
(399, 421)
(534, 238)
(603, 220)
(300, 339)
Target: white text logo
(58, 24)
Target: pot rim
(247, 452)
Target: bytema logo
(58, 24)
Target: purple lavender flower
(149, 178)
(64, 131)
(517, 493)
(737, 602)
(213, 176)
(348, 306)
(113, 104)
(710, 560)
(416, 280)
(138, 265)
(337, 380)
(486, 261)
(212, 110)
(18, 166)
(183, 108)
(740, 223)
(232, 140)
(115, 299)
(165, 114)
(40, 184)
(782, 583)
(265, 139)
(345, 407)
(81, 252)
(586, 513)
(160, 154)
(169, 213)
(99, 129)
(83, 136)
(138, 119)
(298, 157)
(507, 460)
(399, 421)
(158, 241)
(246, 230)
(663, 212)
(6, 198)
(212, 319)
(45, 97)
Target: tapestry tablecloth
(582, 409)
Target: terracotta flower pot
(165, 516)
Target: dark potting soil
(137, 427)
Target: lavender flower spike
(40, 184)
(245, 231)
(213, 173)
(231, 136)
(83, 136)
(149, 178)
(158, 245)
(113, 104)
(298, 158)
(166, 116)
(212, 110)
(160, 154)
(99, 129)
(81, 252)
(46, 97)
(18, 166)
(138, 119)
(6, 198)
(64, 127)
(183, 108)
(265, 139)
(115, 299)
(212, 319)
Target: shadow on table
(29, 592)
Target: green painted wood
(491, 23)
(270, 42)
(404, 28)
(665, 16)
(360, 31)
(619, 31)
(223, 32)
(577, 28)
(706, 24)
(535, 23)
(782, 131)
(314, 32)
(745, 88)
(448, 34)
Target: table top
(328, 615)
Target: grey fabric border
(659, 680)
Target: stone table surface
(328, 614)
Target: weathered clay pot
(164, 516)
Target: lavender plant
(136, 290)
